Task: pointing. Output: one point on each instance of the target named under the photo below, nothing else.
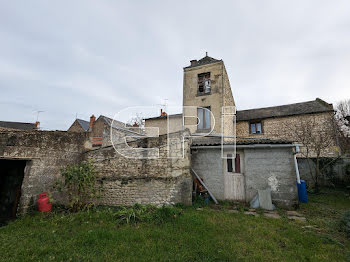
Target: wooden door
(234, 178)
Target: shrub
(79, 182)
(146, 213)
(346, 223)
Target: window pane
(200, 118)
(229, 163)
(207, 86)
(207, 118)
(252, 128)
(258, 128)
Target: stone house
(79, 125)
(19, 125)
(104, 130)
(276, 122)
(232, 169)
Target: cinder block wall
(271, 167)
(157, 181)
(209, 166)
(262, 168)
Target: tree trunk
(317, 175)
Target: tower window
(204, 83)
(203, 115)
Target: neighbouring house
(79, 125)
(104, 130)
(19, 125)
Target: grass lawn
(206, 235)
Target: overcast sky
(98, 57)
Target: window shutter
(237, 164)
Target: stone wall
(279, 128)
(220, 90)
(175, 125)
(75, 127)
(46, 153)
(159, 180)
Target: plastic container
(302, 194)
(44, 204)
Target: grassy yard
(206, 235)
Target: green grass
(206, 235)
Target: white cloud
(98, 57)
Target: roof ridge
(316, 100)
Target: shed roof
(309, 107)
(216, 141)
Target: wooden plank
(200, 180)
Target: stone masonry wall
(159, 180)
(275, 128)
(175, 124)
(214, 99)
(46, 153)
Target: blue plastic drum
(302, 194)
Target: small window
(203, 118)
(256, 128)
(230, 164)
(204, 83)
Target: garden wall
(133, 179)
(45, 153)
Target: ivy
(80, 184)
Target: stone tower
(206, 85)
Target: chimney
(193, 62)
(37, 125)
(92, 120)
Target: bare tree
(342, 119)
(316, 136)
(137, 121)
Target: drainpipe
(297, 150)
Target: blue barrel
(302, 194)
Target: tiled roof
(17, 125)
(216, 141)
(164, 117)
(205, 60)
(84, 124)
(315, 106)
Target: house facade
(232, 168)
